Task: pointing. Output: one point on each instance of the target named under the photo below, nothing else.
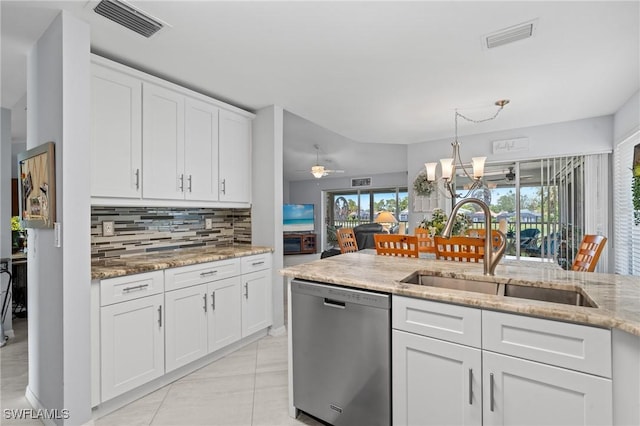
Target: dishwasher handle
(333, 303)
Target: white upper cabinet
(162, 143)
(116, 133)
(235, 157)
(154, 141)
(201, 151)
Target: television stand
(299, 243)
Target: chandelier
(449, 165)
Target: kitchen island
(613, 317)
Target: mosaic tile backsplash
(146, 229)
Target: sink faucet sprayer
(490, 258)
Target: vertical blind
(626, 240)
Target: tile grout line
(255, 378)
(170, 385)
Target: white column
(5, 209)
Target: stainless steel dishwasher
(341, 354)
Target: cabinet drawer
(256, 262)
(453, 323)
(114, 290)
(573, 346)
(186, 276)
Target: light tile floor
(247, 387)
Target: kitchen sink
(544, 294)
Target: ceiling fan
(319, 170)
(508, 176)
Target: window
(626, 234)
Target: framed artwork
(37, 186)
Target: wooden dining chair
(396, 245)
(347, 240)
(497, 237)
(459, 248)
(425, 241)
(589, 252)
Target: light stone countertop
(617, 296)
(110, 268)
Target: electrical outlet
(107, 228)
(208, 223)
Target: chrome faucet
(490, 258)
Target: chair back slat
(396, 245)
(496, 236)
(589, 252)
(347, 240)
(425, 241)
(459, 249)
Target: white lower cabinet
(186, 331)
(435, 382)
(224, 320)
(440, 382)
(523, 392)
(256, 301)
(132, 344)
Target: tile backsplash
(146, 229)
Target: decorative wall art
(37, 188)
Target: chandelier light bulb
(431, 171)
(478, 167)
(447, 168)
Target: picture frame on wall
(37, 186)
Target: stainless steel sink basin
(553, 295)
(452, 283)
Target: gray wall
(59, 277)
(627, 119)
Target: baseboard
(37, 405)
(280, 331)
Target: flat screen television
(298, 218)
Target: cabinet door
(201, 151)
(435, 382)
(116, 134)
(186, 331)
(235, 157)
(224, 325)
(517, 391)
(131, 344)
(256, 301)
(163, 143)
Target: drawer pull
(204, 297)
(213, 300)
(207, 274)
(135, 288)
(257, 263)
(470, 386)
(160, 316)
(491, 391)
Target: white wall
(588, 136)
(627, 119)
(266, 194)
(5, 207)
(59, 277)
(16, 148)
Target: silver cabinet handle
(182, 183)
(135, 287)
(204, 306)
(160, 316)
(334, 303)
(189, 179)
(224, 186)
(137, 178)
(246, 290)
(207, 274)
(257, 263)
(491, 391)
(213, 300)
(470, 386)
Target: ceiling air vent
(128, 17)
(360, 182)
(509, 35)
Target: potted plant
(17, 235)
(438, 220)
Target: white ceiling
(383, 72)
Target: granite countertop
(110, 268)
(617, 296)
